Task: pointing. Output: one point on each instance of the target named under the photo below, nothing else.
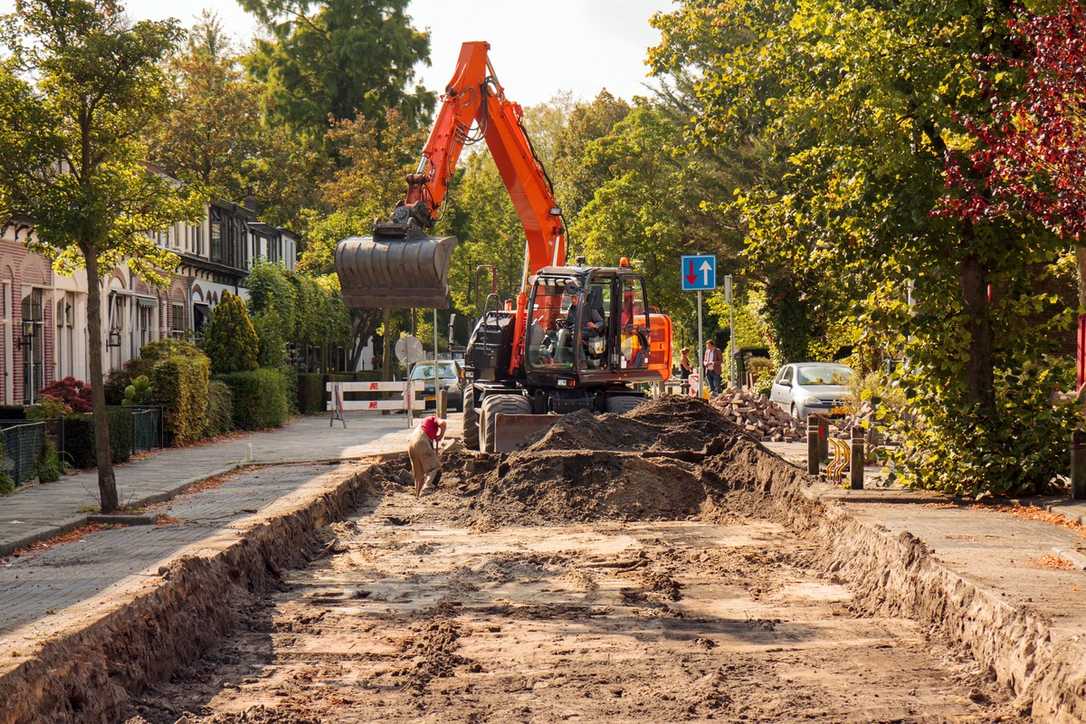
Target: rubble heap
(757, 416)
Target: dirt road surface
(412, 614)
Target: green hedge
(310, 393)
(79, 437)
(220, 408)
(180, 385)
(260, 398)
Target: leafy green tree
(336, 59)
(841, 207)
(230, 339)
(368, 184)
(576, 177)
(648, 208)
(78, 87)
(211, 133)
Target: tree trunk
(386, 347)
(107, 484)
(1080, 256)
(979, 376)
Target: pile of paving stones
(757, 416)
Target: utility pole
(701, 352)
(732, 369)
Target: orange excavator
(578, 337)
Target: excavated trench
(660, 566)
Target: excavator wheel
(619, 404)
(492, 405)
(471, 422)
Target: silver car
(813, 387)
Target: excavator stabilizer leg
(394, 273)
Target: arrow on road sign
(705, 267)
(690, 275)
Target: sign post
(732, 367)
(698, 274)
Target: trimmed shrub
(139, 392)
(48, 466)
(310, 393)
(180, 386)
(79, 437)
(230, 339)
(220, 408)
(290, 387)
(116, 383)
(260, 398)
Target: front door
(33, 343)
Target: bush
(230, 339)
(180, 384)
(139, 392)
(79, 437)
(48, 466)
(116, 383)
(310, 393)
(260, 398)
(290, 387)
(220, 408)
(761, 370)
(49, 408)
(74, 393)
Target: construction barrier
(396, 395)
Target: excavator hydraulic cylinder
(391, 273)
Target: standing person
(685, 368)
(422, 449)
(713, 363)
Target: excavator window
(596, 324)
(552, 323)
(634, 340)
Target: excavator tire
(619, 404)
(492, 405)
(471, 422)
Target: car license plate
(840, 411)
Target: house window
(177, 320)
(65, 345)
(33, 346)
(216, 235)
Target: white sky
(538, 49)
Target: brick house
(43, 331)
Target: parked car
(813, 387)
(450, 376)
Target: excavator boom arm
(475, 96)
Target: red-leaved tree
(1029, 158)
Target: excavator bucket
(388, 273)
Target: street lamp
(26, 334)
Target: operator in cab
(423, 449)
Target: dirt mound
(551, 486)
(668, 423)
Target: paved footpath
(40, 511)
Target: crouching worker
(422, 449)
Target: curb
(69, 524)
(111, 651)
(896, 575)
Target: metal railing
(146, 428)
(23, 444)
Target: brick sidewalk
(40, 511)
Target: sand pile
(758, 417)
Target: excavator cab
(588, 325)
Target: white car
(803, 388)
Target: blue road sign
(698, 272)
